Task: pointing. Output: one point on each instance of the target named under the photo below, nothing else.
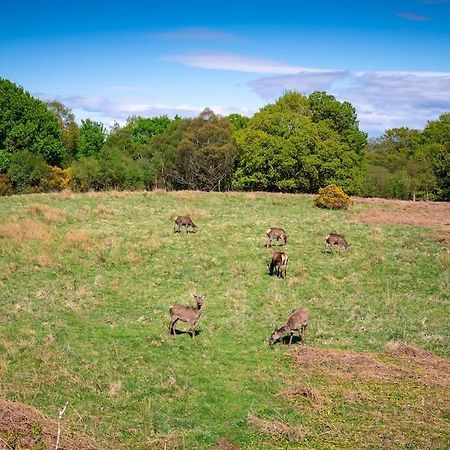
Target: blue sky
(109, 60)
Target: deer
(184, 313)
(337, 240)
(278, 264)
(184, 221)
(276, 233)
(298, 320)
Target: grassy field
(86, 281)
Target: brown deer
(184, 221)
(298, 320)
(337, 240)
(276, 233)
(184, 313)
(278, 264)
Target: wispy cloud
(414, 17)
(109, 110)
(198, 33)
(230, 61)
(382, 99)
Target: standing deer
(184, 313)
(278, 264)
(275, 233)
(337, 240)
(298, 320)
(184, 221)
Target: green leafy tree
(26, 124)
(68, 127)
(28, 172)
(205, 154)
(286, 147)
(92, 138)
(238, 121)
(162, 171)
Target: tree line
(297, 144)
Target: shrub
(6, 187)
(58, 179)
(28, 172)
(332, 197)
(85, 175)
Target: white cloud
(197, 33)
(229, 61)
(109, 110)
(382, 99)
(413, 16)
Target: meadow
(86, 282)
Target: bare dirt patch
(23, 427)
(434, 215)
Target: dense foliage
(297, 144)
(332, 197)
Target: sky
(111, 60)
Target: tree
(205, 154)
(288, 146)
(92, 138)
(26, 124)
(28, 171)
(67, 125)
(238, 122)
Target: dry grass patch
(24, 427)
(400, 364)
(186, 195)
(44, 260)
(79, 239)
(24, 230)
(49, 214)
(104, 210)
(114, 388)
(276, 428)
(435, 215)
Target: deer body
(336, 240)
(190, 314)
(184, 221)
(297, 321)
(278, 264)
(276, 234)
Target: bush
(6, 187)
(28, 172)
(332, 197)
(85, 175)
(58, 180)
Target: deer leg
(290, 339)
(172, 324)
(304, 333)
(193, 324)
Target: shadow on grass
(177, 332)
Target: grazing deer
(276, 233)
(184, 313)
(298, 320)
(337, 240)
(278, 264)
(184, 221)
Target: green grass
(84, 310)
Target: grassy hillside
(86, 281)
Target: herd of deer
(297, 321)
